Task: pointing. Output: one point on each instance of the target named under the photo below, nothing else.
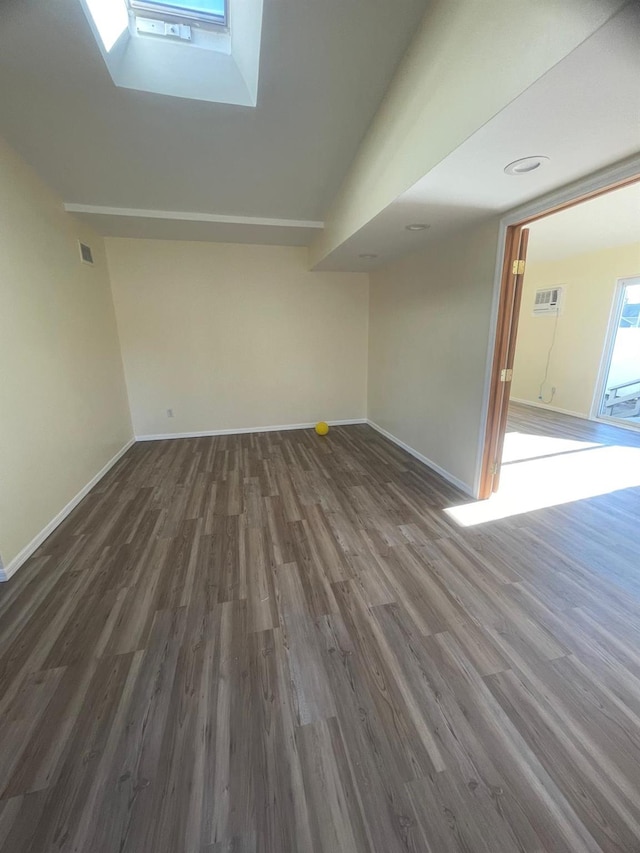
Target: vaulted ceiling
(146, 165)
(325, 66)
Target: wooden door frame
(506, 322)
(506, 332)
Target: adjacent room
(578, 340)
(576, 366)
(319, 426)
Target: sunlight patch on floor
(519, 446)
(539, 472)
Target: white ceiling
(601, 223)
(324, 69)
(584, 114)
(325, 65)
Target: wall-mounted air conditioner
(547, 301)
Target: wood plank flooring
(276, 642)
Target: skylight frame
(166, 10)
(213, 64)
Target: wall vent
(86, 254)
(547, 301)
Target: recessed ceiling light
(525, 165)
(418, 226)
(368, 257)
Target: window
(191, 49)
(206, 11)
(630, 317)
(621, 361)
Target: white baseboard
(244, 430)
(538, 404)
(35, 543)
(464, 487)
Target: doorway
(618, 394)
(612, 397)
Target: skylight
(110, 19)
(206, 50)
(209, 11)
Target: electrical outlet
(169, 413)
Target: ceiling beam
(467, 62)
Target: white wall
(589, 282)
(62, 392)
(430, 325)
(232, 336)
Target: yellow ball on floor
(322, 428)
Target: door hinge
(518, 267)
(494, 469)
(506, 375)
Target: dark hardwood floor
(277, 642)
(530, 419)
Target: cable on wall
(546, 370)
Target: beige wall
(430, 324)
(589, 282)
(449, 63)
(234, 336)
(62, 392)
